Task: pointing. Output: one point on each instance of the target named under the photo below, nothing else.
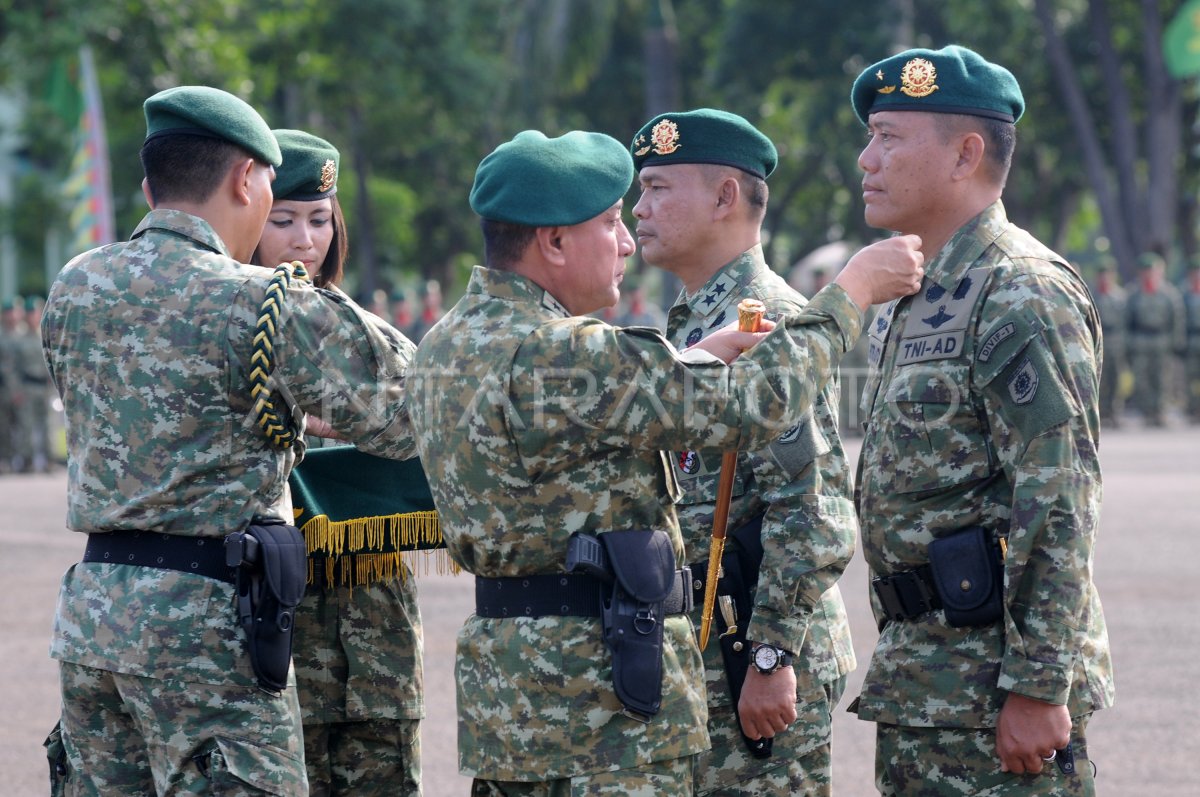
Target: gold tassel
(355, 547)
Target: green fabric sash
(360, 512)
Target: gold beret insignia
(640, 149)
(665, 137)
(917, 78)
(328, 176)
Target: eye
(281, 223)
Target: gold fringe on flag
(367, 550)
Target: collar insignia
(665, 137)
(917, 78)
(328, 176)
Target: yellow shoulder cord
(278, 427)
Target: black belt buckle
(905, 595)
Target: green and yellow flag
(359, 514)
(1181, 41)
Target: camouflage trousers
(1150, 382)
(955, 762)
(1191, 384)
(801, 756)
(672, 778)
(133, 736)
(365, 758)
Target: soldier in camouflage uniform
(1110, 304)
(704, 194)
(982, 439)
(1191, 348)
(150, 345)
(535, 422)
(1154, 314)
(357, 651)
(32, 430)
(10, 381)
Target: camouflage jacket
(983, 410)
(149, 344)
(532, 425)
(802, 483)
(1191, 307)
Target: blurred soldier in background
(31, 427)
(1191, 349)
(1110, 303)
(1154, 317)
(10, 325)
(640, 313)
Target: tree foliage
(415, 93)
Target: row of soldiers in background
(25, 390)
(398, 309)
(1152, 332)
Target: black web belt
(203, 556)
(562, 594)
(907, 594)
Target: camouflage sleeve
(629, 388)
(809, 528)
(344, 365)
(1039, 386)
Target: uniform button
(965, 586)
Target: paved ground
(1147, 567)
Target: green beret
(33, 303)
(310, 167)
(8, 304)
(548, 182)
(950, 80)
(1150, 260)
(205, 111)
(704, 136)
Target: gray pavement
(1147, 568)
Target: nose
(626, 244)
(640, 210)
(867, 161)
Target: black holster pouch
(740, 566)
(272, 564)
(968, 577)
(642, 567)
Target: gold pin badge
(328, 176)
(640, 151)
(665, 137)
(917, 78)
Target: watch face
(766, 657)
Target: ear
(146, 193)
(729, 192)
(240, 174)
(550, 244)
(970, 156)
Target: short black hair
(504, 244)
(187, 167)
(999, 138)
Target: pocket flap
(643, 562)
(963, 567)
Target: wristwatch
(768, 658)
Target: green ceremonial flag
(359, 512)
(1181, 42)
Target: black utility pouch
(968, 577)
(272, 570)
(643, 566)
(56, 755)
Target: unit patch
(1023, 384)
(995, 339)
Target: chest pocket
(935, 431)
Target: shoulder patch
(994, 340)
(1023, 383)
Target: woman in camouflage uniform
(357, 651)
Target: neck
(695, 273)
